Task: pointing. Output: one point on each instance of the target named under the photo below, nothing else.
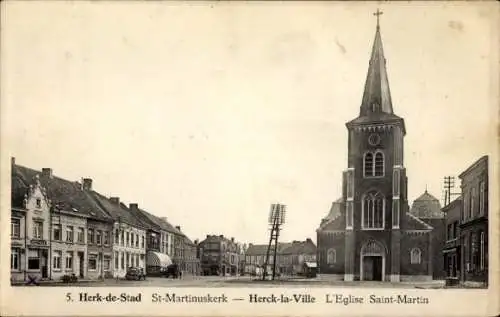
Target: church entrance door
(372, 262)
(372, 268)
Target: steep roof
(155, 221)
(334, 213)
(426, 206)
(376, 105)
(300, 247)
(261, 249)
(377, 84)
(117, 211)
(65, 195)
(411, 222)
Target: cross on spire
(378, 14)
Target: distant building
(219, 255)
(428, 209)
(452, 248)
(296, 254)
(190, 261)
(290, 257)
(255, 258)
(474, 222)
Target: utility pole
(276, 219)
(449, 185)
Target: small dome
(426, 206)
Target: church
(370, 233)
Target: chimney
(232, 239)
(208, 236)
(13, 160)
(115, 200)
(178, 228)
(47, 172)
(196, 241)
(309, 240)
(133, 206)
(87, 184)
(221, 236)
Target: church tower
(375, 182)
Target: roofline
(474, 165)
(429, 227)
(399, 120)
(451, 204)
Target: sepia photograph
(245, 147)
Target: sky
(207, 113)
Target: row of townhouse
(290, 257)
(60, 227)
(465, 251)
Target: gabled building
(68, 211)
(474, 222)
(374, 236)
(190, 261)
(30, 227)
(255, 258)
(295, 254)
(160, 237)
(128, 237)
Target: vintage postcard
(249, 158)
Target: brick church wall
(326, 241)
(408, 242)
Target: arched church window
(373, 215)
(331, 257)
(368, 164)
(379, 164)
(415, 256)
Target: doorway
(44, 264)
(372, 261)
(81, 262)
(372, 268)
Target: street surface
(246, 281)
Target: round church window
(374, 139)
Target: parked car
(135, 273)
(171, 271)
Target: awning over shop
(311, 264)
(158, 259)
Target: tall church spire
(377, 95)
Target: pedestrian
(180, 274)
